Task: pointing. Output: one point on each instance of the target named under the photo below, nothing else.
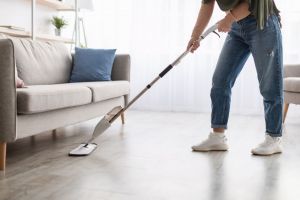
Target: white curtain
(155, 32)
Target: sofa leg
(285, 110)
(123, 118)
(2, 155)
(54, 134)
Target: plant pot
(58, 32)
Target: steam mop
(88, 147)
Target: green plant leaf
(59, 22)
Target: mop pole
(212, 29)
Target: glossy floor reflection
(149, 158)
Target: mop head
(87, 148)
(83, 149)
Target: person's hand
(193, 44)
(224, 25)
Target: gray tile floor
(149, 158)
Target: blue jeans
(266, 48)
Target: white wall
(18, 13)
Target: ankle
(218, 130)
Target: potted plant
(59, 23)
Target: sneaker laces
(269, 140)
(214, 135)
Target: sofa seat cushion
(104, 90)
(292, 84)
(41, 98)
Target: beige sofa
(291, 87)
(49, 101)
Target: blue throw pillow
(92, 65)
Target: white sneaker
(270, 146)
(214, 142)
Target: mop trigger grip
(211, 29)
(215, 32)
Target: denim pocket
(269, 26)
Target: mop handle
(212, 29)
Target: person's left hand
(224, 25)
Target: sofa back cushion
(40, 63)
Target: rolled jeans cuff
(219, 126)
(273, 134)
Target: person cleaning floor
(253, 27)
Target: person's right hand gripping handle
(237, 13)
(204, 16)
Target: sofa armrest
(291, 71)
(121, 68)
(8, 102)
